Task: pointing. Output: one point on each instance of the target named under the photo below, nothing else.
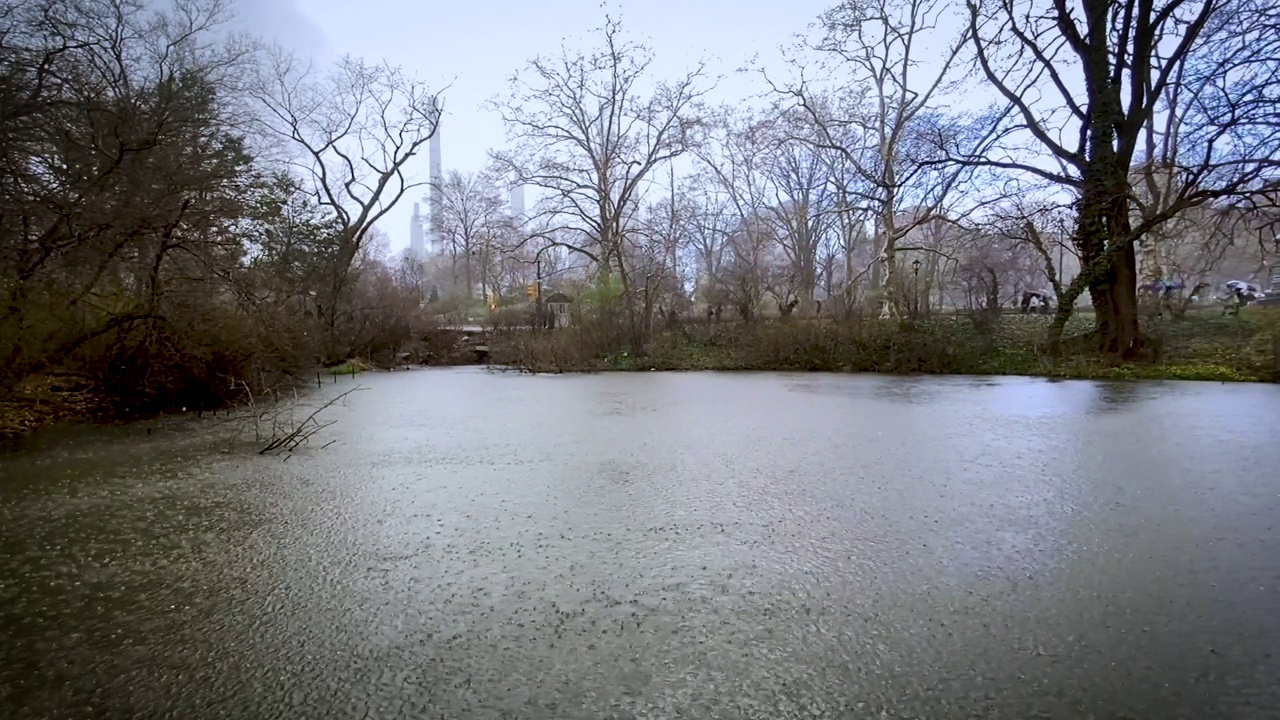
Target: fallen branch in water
(276, 430)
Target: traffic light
(532, 291)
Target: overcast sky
(477, 45)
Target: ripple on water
(655, 545)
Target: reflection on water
(661, 545)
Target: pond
(489, 545)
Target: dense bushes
(157, 244)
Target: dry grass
(1203, 346)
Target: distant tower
(516, 201)
(436, 196)
(416, 240)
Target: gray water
(477, 545)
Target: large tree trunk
(889, 300)
(808, 282)
(1117, 315)
(468, 293)
(1110, 263)
(1103, 230)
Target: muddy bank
(49, 399)
(447, 347)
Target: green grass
(350, 367)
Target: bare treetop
(349, 133)
(588, 128)
(351, 130)
(891, 68)
(1203, 69)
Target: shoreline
(1181, 373)
(37, 406)
(20, 418)
(1204, 349)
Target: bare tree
(410, 273)
(734, 154)
(884, 120)
(1111, 66)
(982, 274)
(1028, 234)
(711, 219)
(1188, 246)
(351, 132)
(587, 131)
(152, 246)
(473, 221)
(744, 274)
(802, 209)
(655, 251)
(934, 247)
(851, 248)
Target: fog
(279, 21)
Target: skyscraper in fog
(417, 246)
(425, 231)
(516, 200)
(436, 195)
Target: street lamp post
(915, 288)
(537, 261)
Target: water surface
(479, 545)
